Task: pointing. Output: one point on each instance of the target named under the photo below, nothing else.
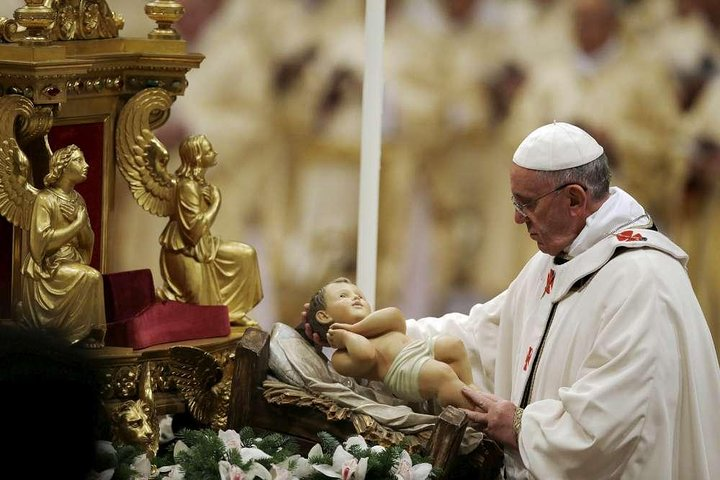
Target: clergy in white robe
(597, 357)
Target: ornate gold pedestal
(121, 370)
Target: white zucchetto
(557, 146)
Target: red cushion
(127, 293)
(169, 322)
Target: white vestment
(627, 380)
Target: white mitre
(557, 146)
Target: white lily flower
(302, 467)
(229, 471)
(252, 453)
(356, 440)
(258, 471)
(315, 451)
(327, 470)
(180, 446)
(421, 471)
(172, 472)
(405, 470)
(231, 439)
(344, 466)
(377, 449)
(142, 466)
(281, 473)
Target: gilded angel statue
(60, 291)
(196, 266)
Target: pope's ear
(322, 317)
(578, 195)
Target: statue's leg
(451, 350)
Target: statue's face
(134, 426)
(77, 168)
(208, 153)
(345, 303)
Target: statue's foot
(90, 342)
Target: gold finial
(37, 18)
(164, 13)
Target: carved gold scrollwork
(124, 382)
(9, 31)
(36, 125)
(14, 108)
(84, 20)
(61, 20)
(66, 23)
(162, 376)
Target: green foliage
(379, 464)
(206, 450)
(328, 443)
(165, 459)
(125, 456)
(279, 448)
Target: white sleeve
(478, 331)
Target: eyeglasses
(521, 207)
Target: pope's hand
(309, 333)
(493, 416)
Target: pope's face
(545, 210)
(345, 303)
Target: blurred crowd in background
(279, 96)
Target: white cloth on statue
(403, 376)
(628, 379)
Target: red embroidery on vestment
(630, 236)
(550, 281)
(527, 358)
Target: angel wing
(203, 383)
(141, 157)
(16, 194)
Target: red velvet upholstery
(127, 293)
(135, 318)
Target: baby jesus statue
(374, 346)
